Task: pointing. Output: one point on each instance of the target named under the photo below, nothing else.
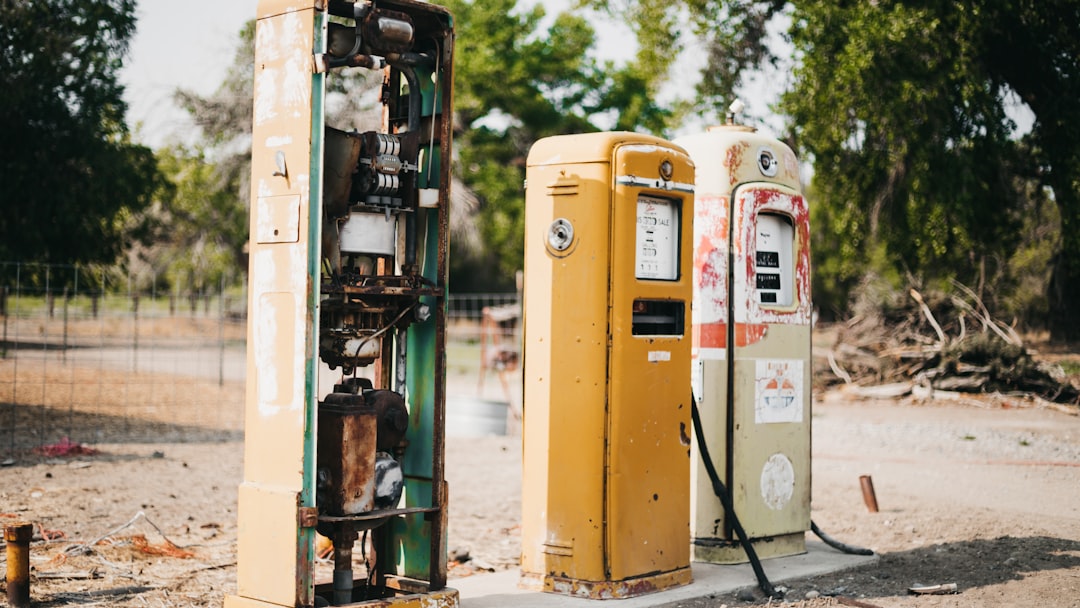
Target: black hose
(835, 544)
(725, 499)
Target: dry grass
(111, 328)
(41, 404)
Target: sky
(190, 44)
(187, 44)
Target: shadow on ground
(30, 428)
(969, 564)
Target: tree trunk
(1063, 291)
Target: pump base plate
(731, 552)
(602, 590)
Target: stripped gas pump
(348, 272)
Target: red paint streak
(711, 271)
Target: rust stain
(733, 160)
(621, 589)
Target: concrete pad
(500, 589)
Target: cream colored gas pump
(348, 272)
(751, 363)
(606, 431)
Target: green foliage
(517, 81)
(202, 223)
(203, 227)
(733, 34)
(72, 178)
(901, 108)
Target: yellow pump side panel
(566, 297)
(649, 434)
(279, 316)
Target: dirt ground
(987, 498)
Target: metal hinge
(308, 517)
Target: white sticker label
(777, 482)
(657, 239)
(697, 378)
(659, 355)
(778, 391)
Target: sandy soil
(986, 498)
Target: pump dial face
(657, 251)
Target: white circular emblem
(766, 162)
(777, 481)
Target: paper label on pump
(657, 252)
(778, 391)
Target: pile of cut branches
(939, 342)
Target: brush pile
(938, 346)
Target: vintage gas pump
(751, 362)
(606, 428)
(348, 249)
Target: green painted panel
(410, 535)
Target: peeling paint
(733, 160)
(777, 481)
(266, 93)
(278, 141)
(710, 272)
(751, 202)
(644, 148)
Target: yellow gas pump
(348, 272)
(606, 431)
(751, 361)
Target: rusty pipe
(869, 497)
(344, 537)
(17, 536)
(415, 107)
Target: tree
(733, 34)
(919, 173)
(912, 150)
(902, 109)
(210, 211)
(71, 176)
(209, 214)
(517, 81)
(1034, 48)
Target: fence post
(64, 348)
(221, 332)
(3, 310)
(135, 332)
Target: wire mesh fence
(86, 358)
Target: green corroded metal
(306, 540)
(411, 536)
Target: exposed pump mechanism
(349, 269)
